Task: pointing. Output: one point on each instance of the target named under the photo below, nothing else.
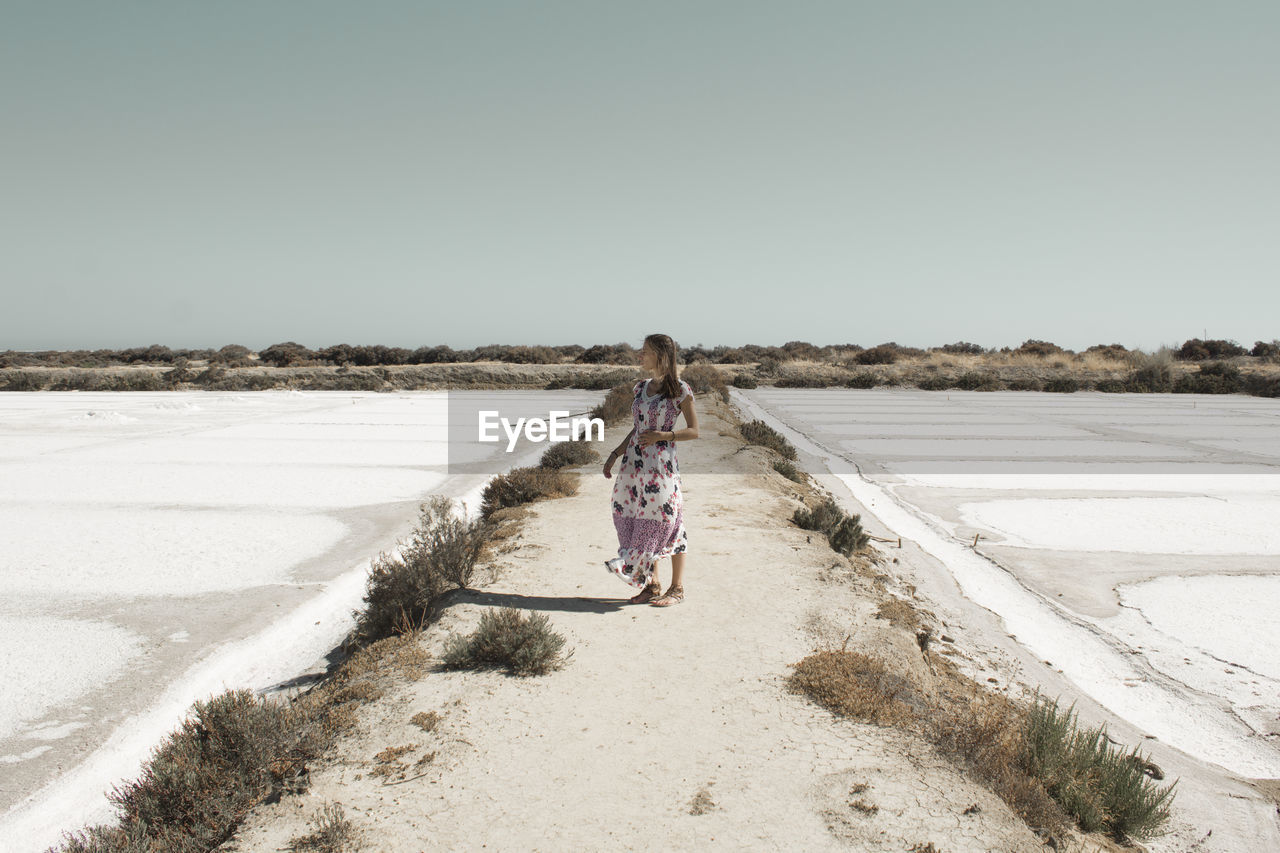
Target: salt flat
(159, 547)
(1128, 539)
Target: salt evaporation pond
(161, 546)
(1130, 539)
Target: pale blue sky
(416, 173)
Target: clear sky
(418, 173)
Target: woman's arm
(691, 418)
(617, 451)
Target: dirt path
(670, 728)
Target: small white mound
(99, 417)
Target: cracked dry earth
(669, 728)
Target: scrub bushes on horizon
(759, 432)
(1213, 377)
(506, 638)
(568, 454)
(1262, 349)
(1198, 350)
(706, 379)
(404, 589)
(525, 485)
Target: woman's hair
(665, 349)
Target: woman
(648, 504)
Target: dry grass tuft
(701, 803)
(331, 833)
(854, 685)
(426, 720)
(900, 613)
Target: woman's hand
(608, 464)
(652, 436)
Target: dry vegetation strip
(237, 749)
(1196, 366)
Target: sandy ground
(670, 728)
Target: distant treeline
(291, 354)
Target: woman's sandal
(649, 593)
(675, 595)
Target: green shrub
(1061, 385)
(758, 432)
(933, 383)
(1110, 386)
(1024, 384)
(525, 485)
(1152, 379)
(843, 531)
(1213, 377)
(1103, 787)
(568, 454)
(861, 379)
(789, 470)
(1263, 386)
(505, 638)
(403, 589)
(745, 380)
(974, 380)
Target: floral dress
(648, 505)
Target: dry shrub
(403, 589)
(233, 752)
(525, 485)
(568, 454)
(759, 432)
(616, 405)
(506, 638)
(706, 379)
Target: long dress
(648, 504)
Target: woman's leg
(677, 569)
